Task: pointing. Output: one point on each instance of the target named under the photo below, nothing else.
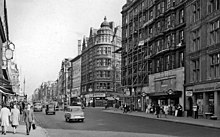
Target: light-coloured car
(38, 107)
(74, 113)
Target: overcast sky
(46, 31)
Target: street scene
(110, 68)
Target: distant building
(75, 76)
(100, 67)
(65, 72)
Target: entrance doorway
(190, 100)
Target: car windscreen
(75, 109)
(37, 104)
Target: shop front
(166, 88)
(206, 96)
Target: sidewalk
(185, 120)
(21, 132)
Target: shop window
(211, 102)
(199, 101)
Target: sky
(47, 31)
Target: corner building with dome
(101, 65)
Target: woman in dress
(15, 118)
(4, 116)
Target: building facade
(6, 91)
(203, 56)
(65, 72)
(153, 48)
(100, 66)
(76, 76)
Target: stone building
(153, 47)
(203, 56)
(100, 66)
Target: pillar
(205, 102)
(217, 103)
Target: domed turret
(105, 23)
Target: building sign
(170, 92)
(189, 93)
(99, 95)
(205, 87)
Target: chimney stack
(79, 47)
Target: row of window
(103, 74)
(104, 39)
(213, 36)
(164, 63)
(214, 68)
(103, 62)
(104, 50)
(103, 85)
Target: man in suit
(28, 118)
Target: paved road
(103, 124)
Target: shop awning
(6, 91)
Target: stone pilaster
(217, 103)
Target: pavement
(185, 120)
(21, 132)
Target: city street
(103, 124)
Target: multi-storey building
(5, 85)
(100, 67)
(65, 90)
(203, 56)
(153, 48)
(75, 75)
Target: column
(217, 103)
(205, 102)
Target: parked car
(50, 109)
(38, 107)
(74, 113)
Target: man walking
(4, 116)
(28, 118)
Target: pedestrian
(28, 118)
(157, 111)
(5, 117)
(196, 109)
(179, 110)
(15, 118)
(125, 108)
(165, 109)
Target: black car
(50, 109)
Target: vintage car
(74, 113)
(50, 109)
(37, 107)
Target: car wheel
(82, 120)
(54, 113)
(46, 113)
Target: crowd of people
(14, 113)
(165, 110)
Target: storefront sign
(189, 93)
(99, 94)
